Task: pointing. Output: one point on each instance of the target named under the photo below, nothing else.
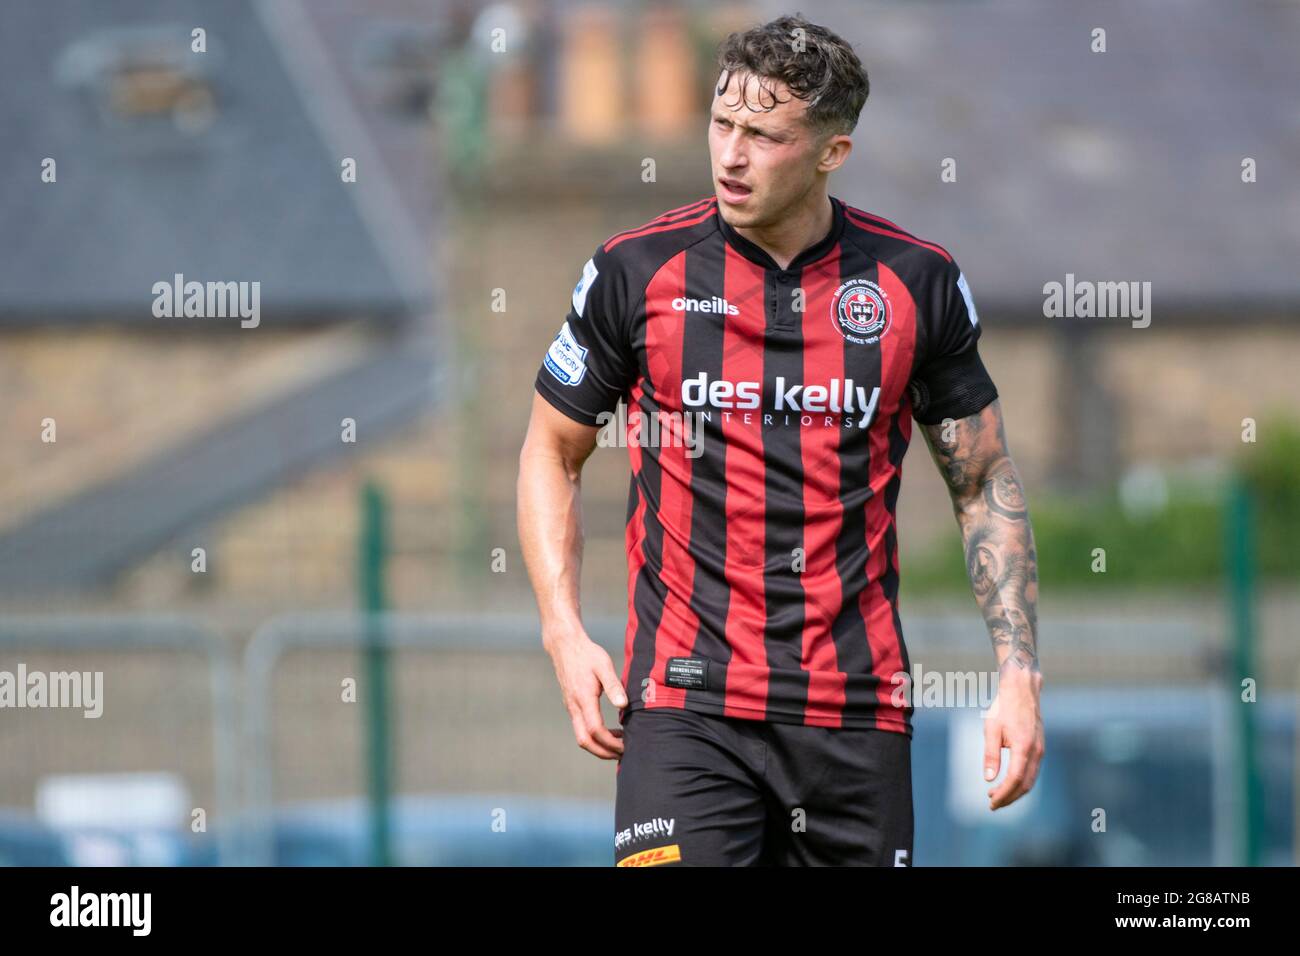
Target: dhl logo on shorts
(654, 857)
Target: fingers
(596, 738)
(1010, 788)
(1026, 757)
(590, 731)
(992, 748)
(610, 683)
(1036, 750)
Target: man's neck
(801, 229)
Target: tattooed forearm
(982, 562)
(950, 447)
(989, 503)
(1003, 493)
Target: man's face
(764, 160)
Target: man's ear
(835, 153)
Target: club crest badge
(860, 310)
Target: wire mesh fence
(168, 748)
(120, 732)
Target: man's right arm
(550, 534)
(586, 369)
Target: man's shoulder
(643, 249)
(887, 240)
(621, 268)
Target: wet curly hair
(816, 65)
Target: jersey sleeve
(949, 379)
(588, 366)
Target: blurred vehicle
(1144, 756)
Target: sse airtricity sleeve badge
(589, 365)
(566, 359)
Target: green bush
(1181, 545)
(1272, 471)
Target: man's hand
(1013, 721)
(989, 503)
(585, 671)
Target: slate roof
(1123, 165)
(257, 195)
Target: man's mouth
(733, 189)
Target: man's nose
(732, 154)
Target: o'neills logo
(860, 310)
(715, 304)
(837, 397)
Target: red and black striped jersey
(766, 412)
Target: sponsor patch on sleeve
(566, 359)
(589, 272)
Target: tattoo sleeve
(989, 503)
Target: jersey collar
(759, 256)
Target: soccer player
(772, 344)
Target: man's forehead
(766, 101)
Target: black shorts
(704, 790)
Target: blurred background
(285, 538)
